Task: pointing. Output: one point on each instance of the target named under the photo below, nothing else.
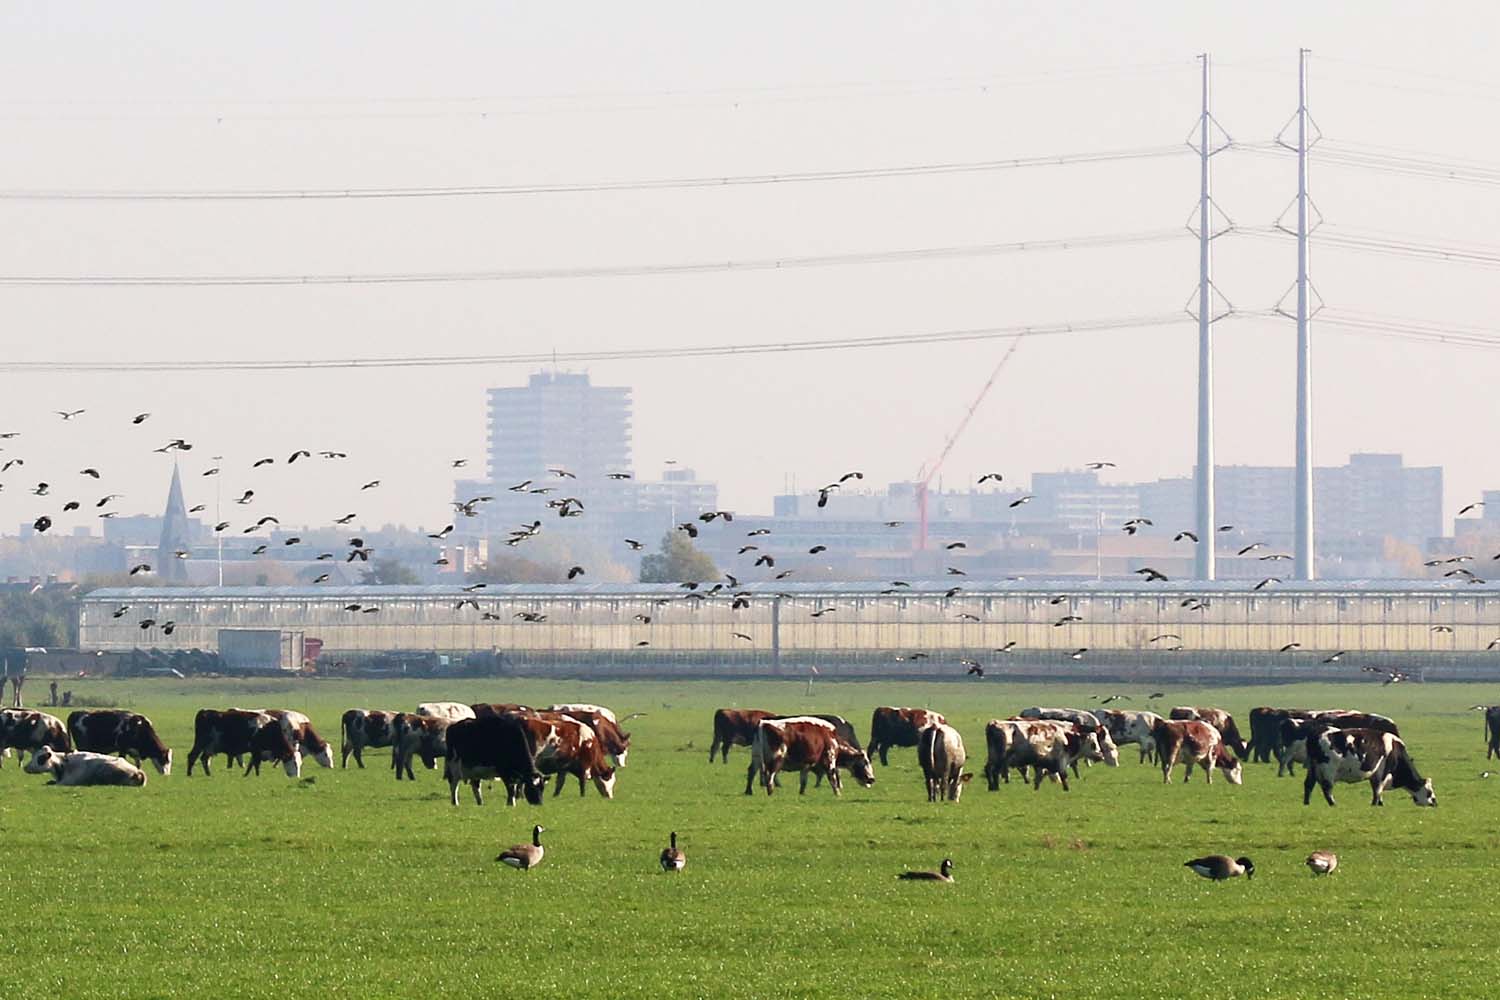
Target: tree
(679, 561)
(389, 572)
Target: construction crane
(932, 466)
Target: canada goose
(525, 856)
(943, 874)
(1323, 862)
(673, 860)
(1220, 866)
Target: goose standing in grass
(943, 874)
(1322, 862)
(673, 860)
(525, 856)
(1221, 866)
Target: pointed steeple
(174, 534)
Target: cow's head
(1088, 745)
(164, 764)
(1423, 795)
(324, 754)
(1230, 765)
(532, 789)
(858, 763)
(292, 764)
(604, 780)
(46, 761)
(1107, 748)
(958, 786)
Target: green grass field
(352, 885)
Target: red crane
(931, 466)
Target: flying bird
(258, 550)
(1469, 507)
(441, 534)
(1251, 548)
(67, 414)
(1025, 499)
(741, 635)
(816, 549)
(1289, 647)
(92, 473)
(1066, 620)
(1266, 583)
(263, 461)
(1336, 656)
(345, 519)
(574, 572)
(246, 497)
(299, 453)
(139, 418)
(1096, 466)
(1165, 635)
(1190, 536)
(42, 523)
(990, 477)
(1007, 647)
(635, 546)
(1443, 628)
(956, 545)
(747, 548)
(1077, 654)
(618, 475)
(975, 667)
(765, 559)
(955, 571)
(370, 485)
(897, 524)
(142, 568)
(459, 463)
(1151, 574)
(757, 532)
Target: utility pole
(218, 516)
(1207, 139)
(1304, 522)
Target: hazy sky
(294, 95)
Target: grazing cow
(1044, 745)
(236, 732)
(496, 708)
(566, 745)
(26, 730)
(805, 744)
(1108, 752)
(1229, 733)
(734, 727)
(898, 727)
(496, 746)
(1132, 727)
(303, 736)
(1363, 755)
(614, 740)
(1291, 745)
(84, 768)
(1198, 742)
(1492, 731)
(940, 751)
(1081, 716)
(450, 710)
(127, 734)
(423, 736)
(366, 727)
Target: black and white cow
(236, 732)
(363, 728)
(127, 734)
(1492, 731)
(493, 746)
(84, 768)
(26, 730)
(423, 736)
(1363, 755)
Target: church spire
(174, 534)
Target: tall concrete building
(558, 420)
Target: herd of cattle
(1333, 745)
(524, 747)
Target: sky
(284, 96)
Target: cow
(84, 768)
(494, 708)
(614, 740)
(1265, 730)
(806, 744)
(496, 746)
(1492, 731)
(365, 727)
(303, 736)
(1108, 752)
(413, 735)
(1044, 745)
(236, 732)
(1081, 716)
(734, 727)
(450, 710)
(898, 727)
(940, 751)
(1198, 742)
(1221, 720)
(26, 730)
(1363, 755)
(1291, 749)
(1132, 727)
(127, 734)
(571, 747)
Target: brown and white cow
(806, 744)
(299, 730)
(84, 768)
(1045, 746)
(1081, 716)
(573, 748)
(362, 728)
(127, 734)
(940, 752)
(1363, 755)
(1229, 733)
(1136, 727)
(497, 747)
(424, 736)
(614, 740)
(1195, 742)
(898, 727)
(26, 730)
(734, 727)
(1108, 753)
(450, 710)
(237, 732)
(578, 711)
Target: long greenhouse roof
(834, 588)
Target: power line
(624, 270)
(575, 357)
(488, 190)
(1331, 235)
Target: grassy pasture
(352, 885)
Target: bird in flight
(1336, 656)
(635, 546)
(955, 571)
(441, 534)
(1025, 499)
(459, 463)
(741, 635)
(1151, 574)
(1469, 507)
(956, 545)
(897, 524)
(990, 477)
(370, 485)
(1250, 548)
(345, 519)
(851, 475)
(1096, 466)
(1007, 647)
(67, 414)
(1266, 583)
(975, 667)
(91, 473)
(575, 572)
(816, 549)
(1165, 635)
(299, 453)
(1066, 620)
(1289, 647)
(1077, 654)
(142, 568)
(1190, 536)
(140, 418)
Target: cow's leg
(750, 777)
(453, 789)
(1062, 774)
(359, 756)
(405, 765)
(802, 786)
(478, 795)
(713, 748)
(1376, 781)
(1074, 764)
(1208, 771)
(768, 775)
(1168, 761)
(834, 781)
(583, 776)
(885, 748)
